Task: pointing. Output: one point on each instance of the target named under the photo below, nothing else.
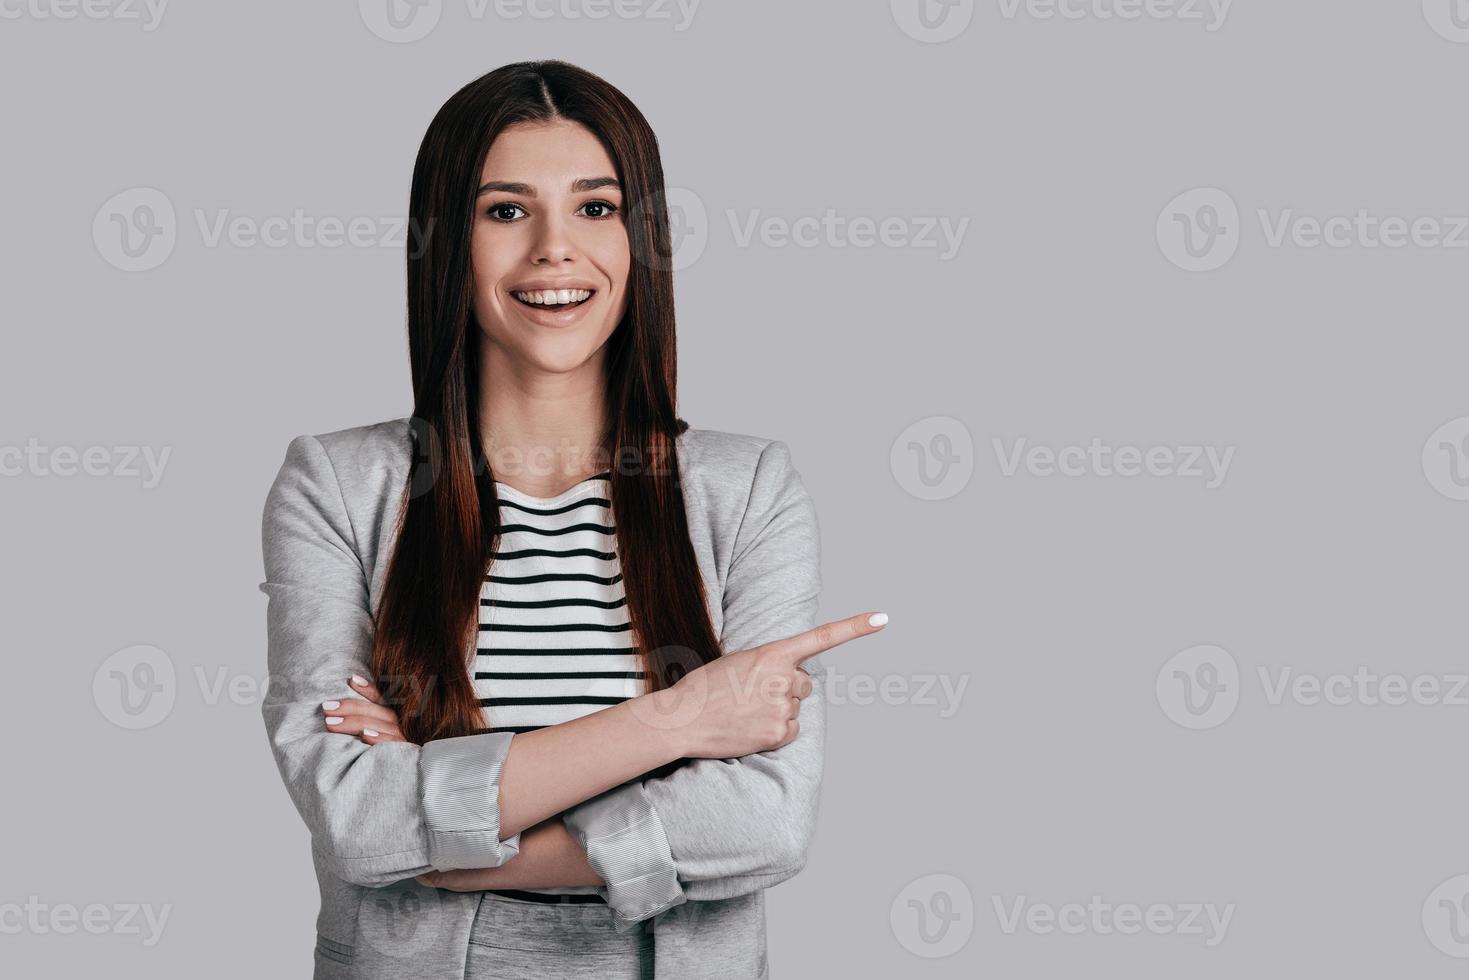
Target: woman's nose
(553, 241)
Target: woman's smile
(553, 303)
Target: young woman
(540, 653)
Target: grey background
(1057, 600)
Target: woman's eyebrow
(579, 186)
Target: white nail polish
(332, 720)
(359, 681)
(877, 619)
(331, 705)
(368, 731)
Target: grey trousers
(513, 939)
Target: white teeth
(553, 297)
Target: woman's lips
(553, 316)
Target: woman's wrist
(662, 723)
(549, 858)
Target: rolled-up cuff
(460, 780)
(625, 844)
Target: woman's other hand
(368, 717)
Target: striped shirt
(555, 640)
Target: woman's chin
(550, 350)
(559, 355)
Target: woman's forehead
(546, 155)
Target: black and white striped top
(555, 641)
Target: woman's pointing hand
(748, 701)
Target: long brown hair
(427, 622)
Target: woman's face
(549, 217)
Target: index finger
(366, 688)
(804, 646)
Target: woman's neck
(543, 434)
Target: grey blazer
(694, 850)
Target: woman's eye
(506, 212)
(601, 209)
(497, 212)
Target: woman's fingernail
(877, 619)
(331, 705)
(368, 731)
(359, 681)
(332, 720)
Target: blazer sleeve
(717, 828)
(377, 813)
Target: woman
(540, 653)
